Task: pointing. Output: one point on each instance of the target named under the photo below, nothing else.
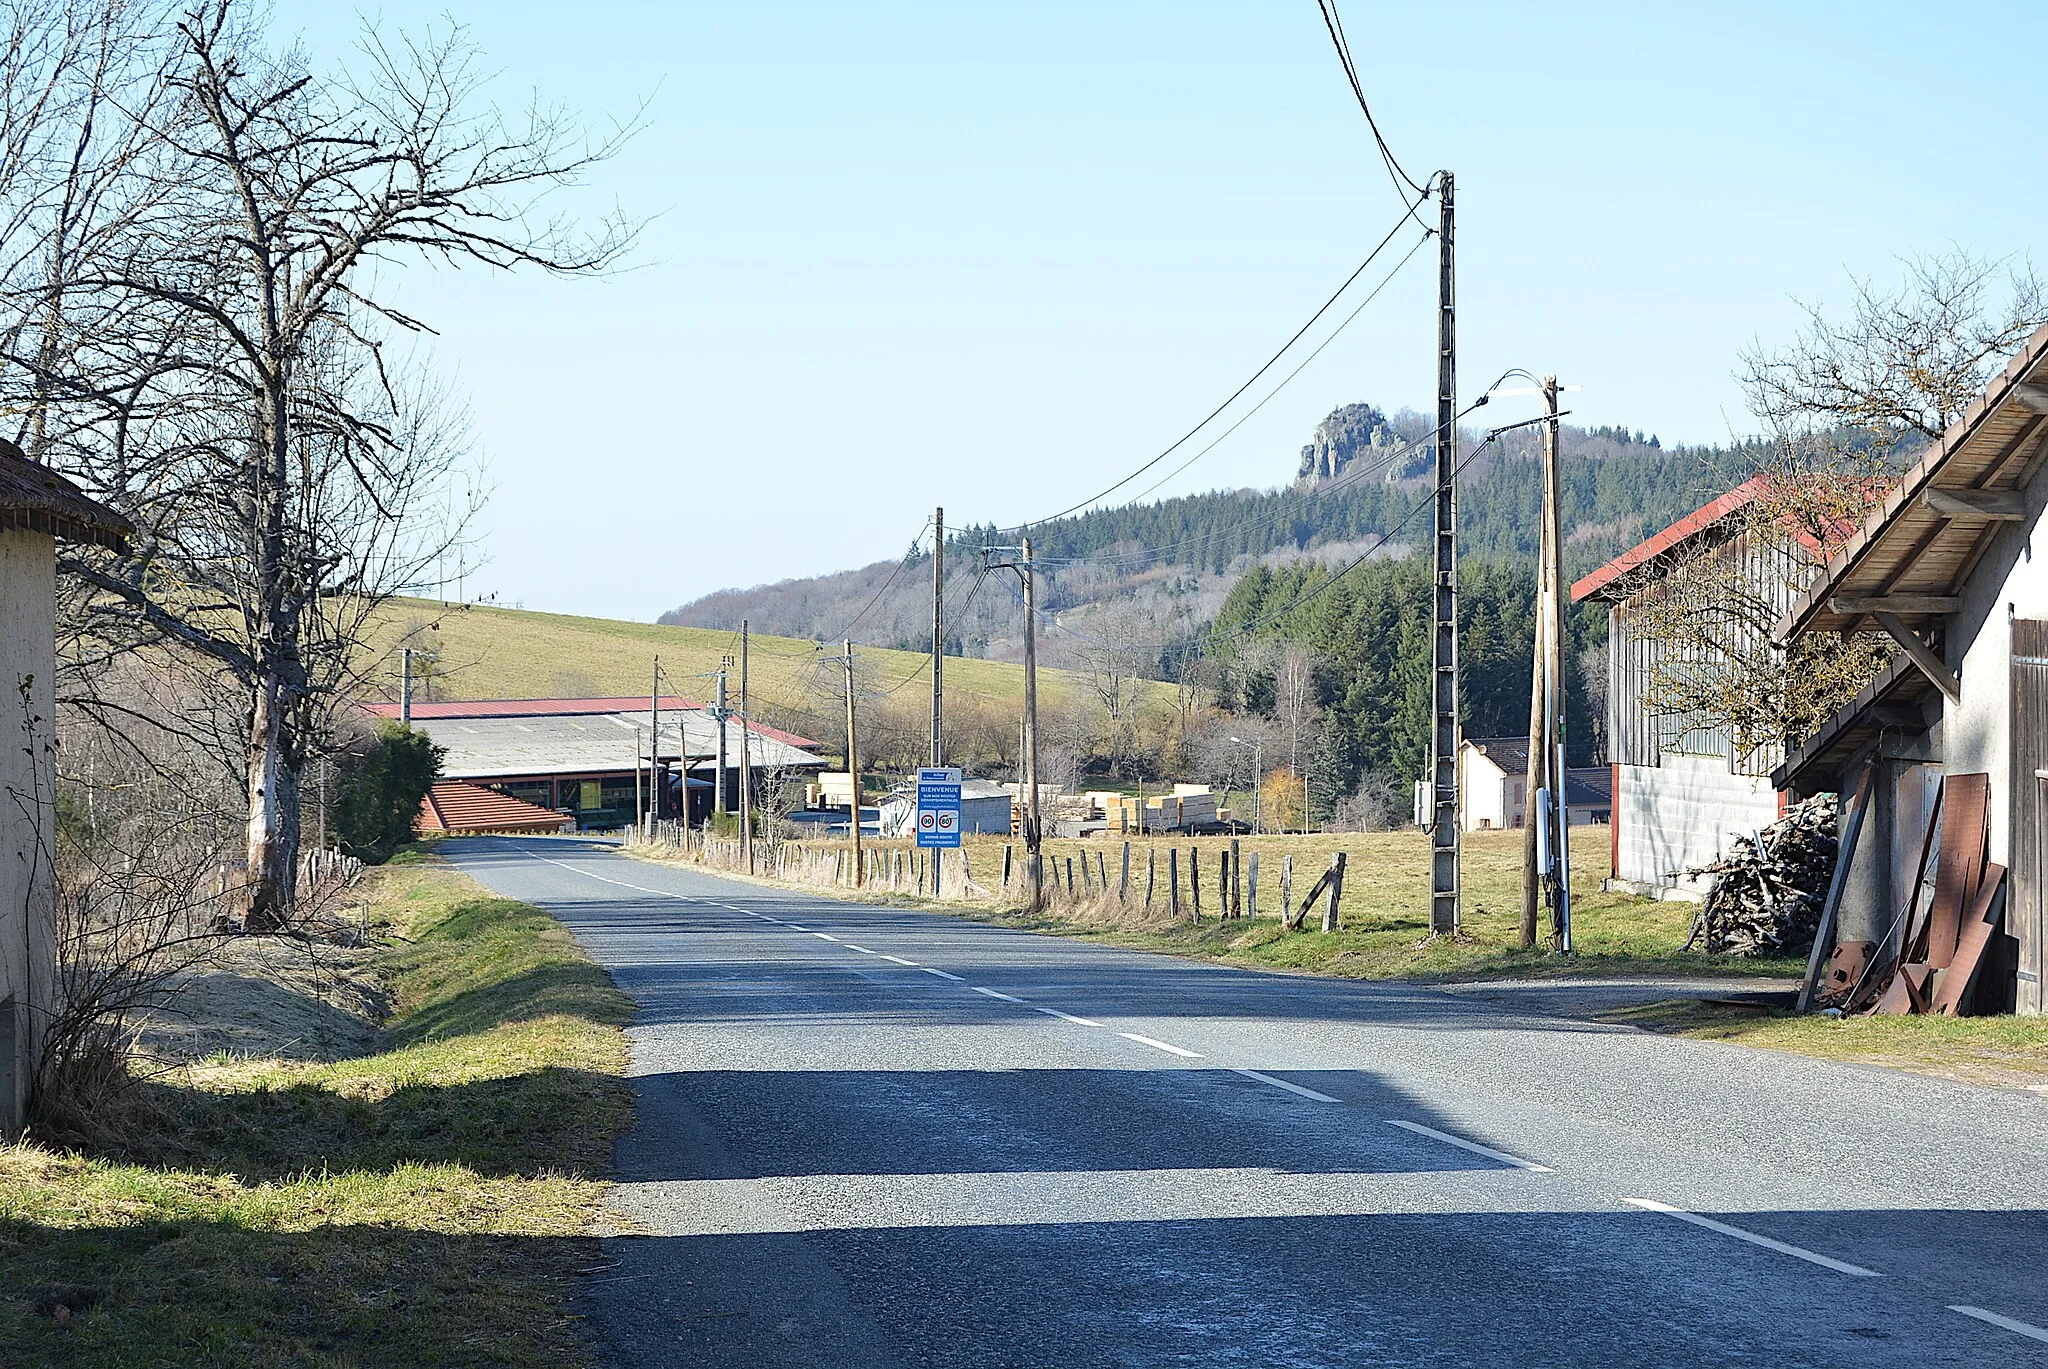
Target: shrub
(381, 786)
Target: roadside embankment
(425, 1202)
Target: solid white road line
(1291, 1088)
(2016, 1327)
(1461, 1143)
(1069, 1017)
(942, 974)
(1160, 1045)
(1797, 1252)
(993, 994)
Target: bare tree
(233, 386)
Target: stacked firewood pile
(1769, 888)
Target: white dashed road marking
(993, 994)
(1291, 1088)
(942, 974)
(1797, 1252)
(1069, 1017)
(2016, 1327)
(1461, 1143)
(1167, 1046)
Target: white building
(1493, 787)
(1682, 791)
(1953, 566)
(36, 508)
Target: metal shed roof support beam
(1922, 655)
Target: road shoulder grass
(2000, 1052)
(427, 1204)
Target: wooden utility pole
(1538, 776)
(853, 766)
(1553, 681)
(1443, 756)
(938, 636)
(1034, 891)
(719, 714)
(405, 689)
(639, 800)
(746, 766)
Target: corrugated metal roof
(590, 743)
(528, 708)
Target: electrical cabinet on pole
(1443, 750)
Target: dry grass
(2000, 1051)
(1383, 919)
(423, 1205)
(500, 653)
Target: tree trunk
(266, 885)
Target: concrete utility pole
(746, 766)
(1553, 681)
(719, 713)
(654, 749)
(1034, 874)
(639, 799)
(1443, 757)
(938, 637)
(405, 689)
(853, 766)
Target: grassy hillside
(500, 653)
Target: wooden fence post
(1101, 875)
(1006, 866)
(1195, 880)
(1151, 874)
(1123, 884)
(1251, 888)
(1236, 880)
(1336, 882)
(1286, 887)
(1173, 882)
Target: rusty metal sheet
(1978, 929)
(1965, 801)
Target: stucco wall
(1683, 813)
(28, 953)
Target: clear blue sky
(991, 256)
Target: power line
(1334, 23)
(901, 566)
(1270, 362)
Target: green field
(502, 653)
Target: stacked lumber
(1769, 888)
(1930, 960)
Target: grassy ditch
(1383, 929)
(427, 1204)
(2000, 1051)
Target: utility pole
(1443, 751)
(938, 638)
(639, 802)
(719, 714)
(1033, 872)
(1534, 877)
(405, 689)
(1027, 728)
(654, 749)
(746, 766)
(1553, 681)
(853, 766)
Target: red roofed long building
(587, 759)
(1682, 790)
(459, 808)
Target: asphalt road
(874, 1137)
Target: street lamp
(1258, 774)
